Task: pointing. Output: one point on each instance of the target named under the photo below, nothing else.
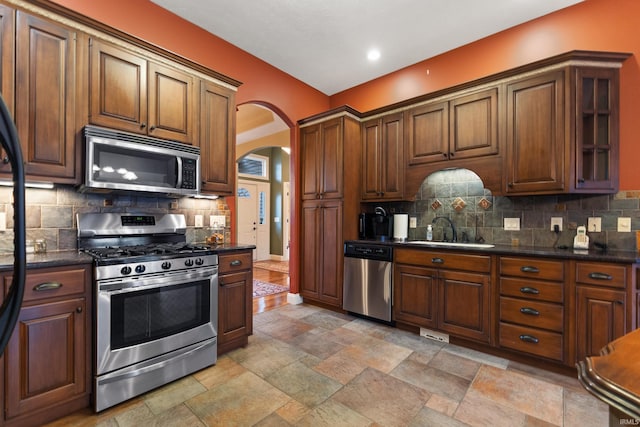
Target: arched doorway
(263, 204)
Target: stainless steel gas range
(156, 301)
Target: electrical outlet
(198, 221)
(594, 224)
(512, 224)
(624, 224)
(413, 222)
(556, 220)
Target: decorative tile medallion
(458, 204)
(436, 205)
(484, 204)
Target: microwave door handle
(179, 181)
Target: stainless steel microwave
(122, 161)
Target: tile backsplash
(51, 214)
(459, 194)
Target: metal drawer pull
(437, 260)
(47, 286)
(600, 276)
(235, 263)
(529, 269)
(530, 311)
(529, 338)
(529, 290)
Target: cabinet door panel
(371, 149)
(45, 96)
(464, 304)
(45, 357)
(392, 157)
(233, 315)
(535, 130)
(310, 241)
(332, 253)
(310, 147)
(332, 160)
(600, 320)
(474, 125)
(171, 104)
(428, 133)
(415, 295)
(217, 138)
(118, 88)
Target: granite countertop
(610, 255)
(60, 258)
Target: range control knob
(125, 270)
(188, 262)
(166, 265)
(199, 261)
(140, 269)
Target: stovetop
(149, 250)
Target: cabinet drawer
(532, 268)
(532, 289)
(532, 313)
(601, 274)
(235, 262)
(51, 283)
(449, 260)
(531, 340)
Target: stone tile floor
(305, 366)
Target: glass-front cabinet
(597, 129)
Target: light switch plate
(3, 221)
(624, 225)
(594, 224)
(413, 222)
(198, 220)
(512, 224)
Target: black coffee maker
(377, 225)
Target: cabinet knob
(444, 155)
(78, 309)
(152, 128)
(437, 260)
(452, 154)
(143, 125)
(510, 184)
(5, 160)
(236, 262)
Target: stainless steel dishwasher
(367, 287)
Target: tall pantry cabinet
(330, 193)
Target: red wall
(591, 25)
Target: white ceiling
(324, 43)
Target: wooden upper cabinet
(45, 98)
(536, 134)
(464, 126)
(7, 49)
(131, 93)
(597, 133)
(382, 156)
(322, 160)
(217, 138)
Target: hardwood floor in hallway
(269, 302)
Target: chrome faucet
(453, 229)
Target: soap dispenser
(429, 232)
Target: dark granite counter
(570, 253)
(230, 247)
(47, 259)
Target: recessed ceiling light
(373, 55)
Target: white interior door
(253, 217)
(247, 213)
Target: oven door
(142, 317)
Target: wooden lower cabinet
(446, 298)
(235, 303)
(47, 365)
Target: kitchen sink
(454, 244)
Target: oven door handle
(155, 365)
(112, 287)
(179, 183)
